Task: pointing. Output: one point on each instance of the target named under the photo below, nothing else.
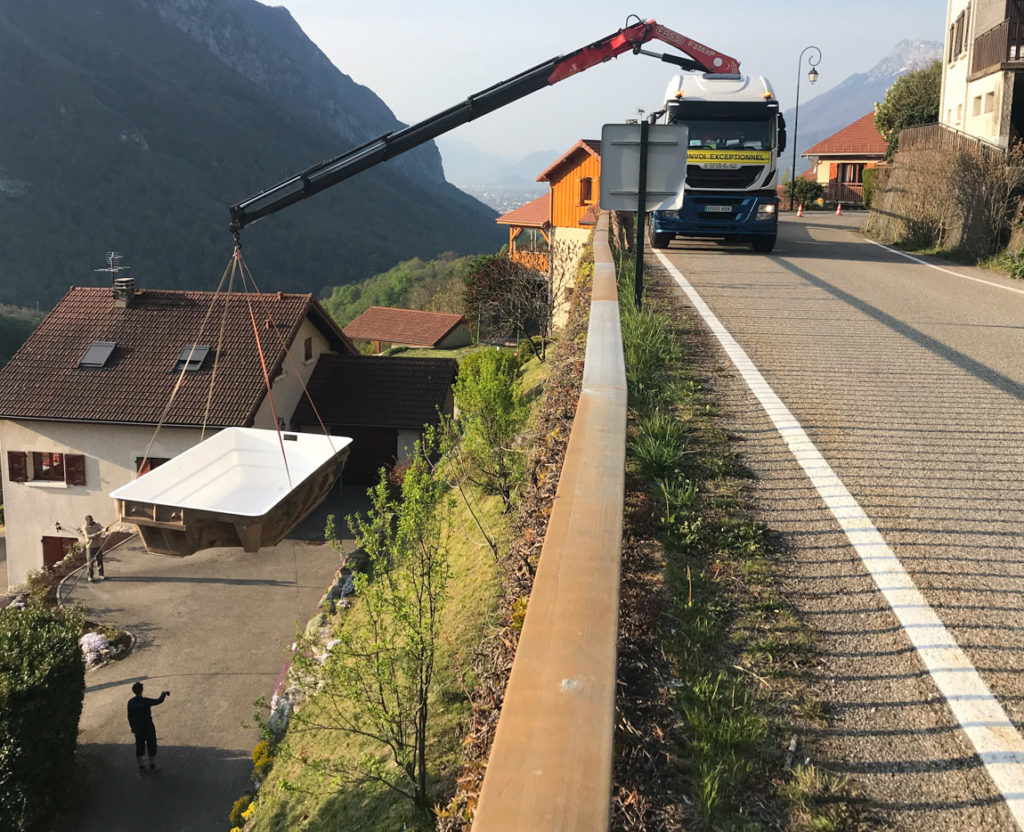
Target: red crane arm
(631, 39)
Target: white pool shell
(237, 471)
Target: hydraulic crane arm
(332, 171)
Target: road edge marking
(997, 742)
(946, 271)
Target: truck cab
(736, 134)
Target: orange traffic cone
(800, 210)
(839, 209)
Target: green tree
(42, 685)
(493, 411)
(912, 99)
(377, 683)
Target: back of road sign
(620, 166)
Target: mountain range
(132, 125)
(854, 97)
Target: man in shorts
(140, 720)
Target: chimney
(124, 291)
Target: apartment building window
(976, 106)
(958, 36)
(990, 102)
(959, 112)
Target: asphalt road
(910, 382)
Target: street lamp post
(812, 76)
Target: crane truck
(736, 135)
(631, 38)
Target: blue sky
(422, 58)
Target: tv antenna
(115, 265)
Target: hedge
(42, 685)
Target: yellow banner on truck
(729, 157)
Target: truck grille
(699, 178)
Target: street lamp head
(812, 76)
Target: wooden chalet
(575, 181)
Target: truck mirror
(782, 133)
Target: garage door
(372, 449)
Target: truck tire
(661, 239)
(764, 244)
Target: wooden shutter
(74, 469)
(55, 548)
(17, 466)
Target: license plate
(720, 209)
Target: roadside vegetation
(960, 200)
(712, 658)
(386, 672)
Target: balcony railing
(1000, 44)
(937, 136)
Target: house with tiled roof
(529, 233)
(387, 326)
(81, 400)
(382, 403)
(839, 161)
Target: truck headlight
(766, 208)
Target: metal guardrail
(550, 768)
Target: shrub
(807, 191)
(42, 684)
(1013, 263)
(240, 806)
(493, 412)
(869, 186)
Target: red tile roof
(402, 326)
(589, 146)
(591, 217)
(536, 214)
(372, 391)
(42, 380)
(860, 138)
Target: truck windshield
(739, 135)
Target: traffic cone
(839, 209)
(800, 210)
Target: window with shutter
(17, 466)
(74, 468)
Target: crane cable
(230, 268)
(247, 273)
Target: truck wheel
(661, 239)
(764, 244)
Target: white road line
(982, 718)
(947, 271)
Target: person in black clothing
(140, 719)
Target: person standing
(92, 532)
(140, 720)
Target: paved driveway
(214, 629)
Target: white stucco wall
(286, 387)
(958, 95)
(31, 509)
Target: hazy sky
(422, 58)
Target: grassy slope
(295, 798)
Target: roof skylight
(96, 356)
